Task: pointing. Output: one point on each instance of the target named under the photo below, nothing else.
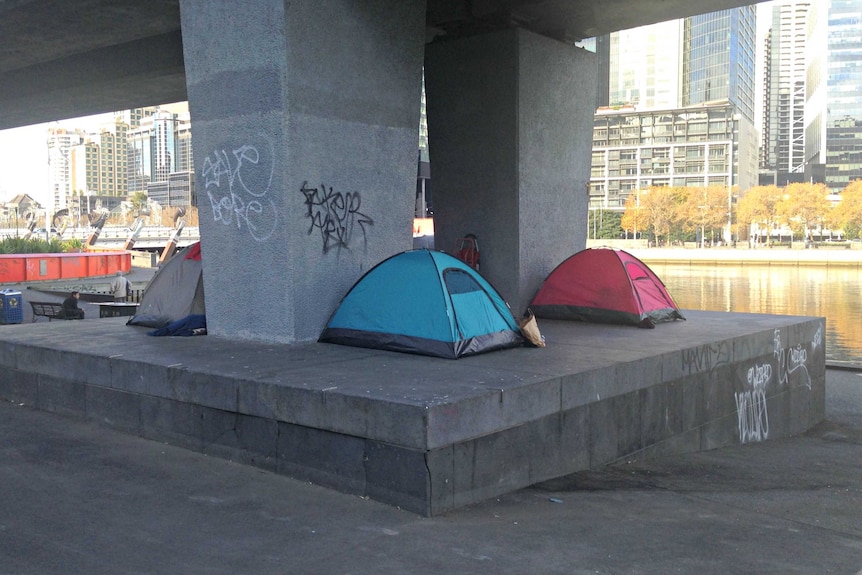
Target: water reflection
(834, 293)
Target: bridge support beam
(510, 135)
(306, 135)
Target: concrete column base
(306, 120)
(510, 120)
(430, 435)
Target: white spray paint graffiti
(238, 183)
(791, 360)
(751, 412)
(817, 340)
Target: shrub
(10, 245)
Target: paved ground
(77, 498)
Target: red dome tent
(605, 285)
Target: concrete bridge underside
(61, 59)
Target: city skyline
(696, 132)
(24, 153)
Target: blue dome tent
(423, 302)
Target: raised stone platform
(426, 434)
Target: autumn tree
(847, 215)
(805, 206)
(759, 206)
(660, 205)
(634, 219)
(704, 209)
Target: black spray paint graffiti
(336, 215)
(706, 357)
(751, 413)
(238, 183)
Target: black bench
(47, 309)
(116, 309)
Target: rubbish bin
(11, 308)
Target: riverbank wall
(840, 256)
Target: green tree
(139, 202)
(604, 224)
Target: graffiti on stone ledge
(238, 184)
(791, 360)
(335, 215)
(706, 357)
(751, 406)
(751, 412)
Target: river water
(834, 293)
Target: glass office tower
(844, 94)
(718, 59)
(680, 108)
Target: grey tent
(176, 291)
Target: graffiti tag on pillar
(335, 215)
(238, 182)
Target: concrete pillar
(510, 121)
(306, 118)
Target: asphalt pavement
(78, 498)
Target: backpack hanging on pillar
(467, 250)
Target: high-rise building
(84, 168)
(718, 59)
(139, 147)
(113, 156)
(692, 146)
(60, 143)
(833, 132)
(91, 165)
(844, 94)
(161, 145)
(765, 135)
(680, 107)
(185, 161)
(644, 67)
(423, 207)
(783, 135)
(163, 141)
